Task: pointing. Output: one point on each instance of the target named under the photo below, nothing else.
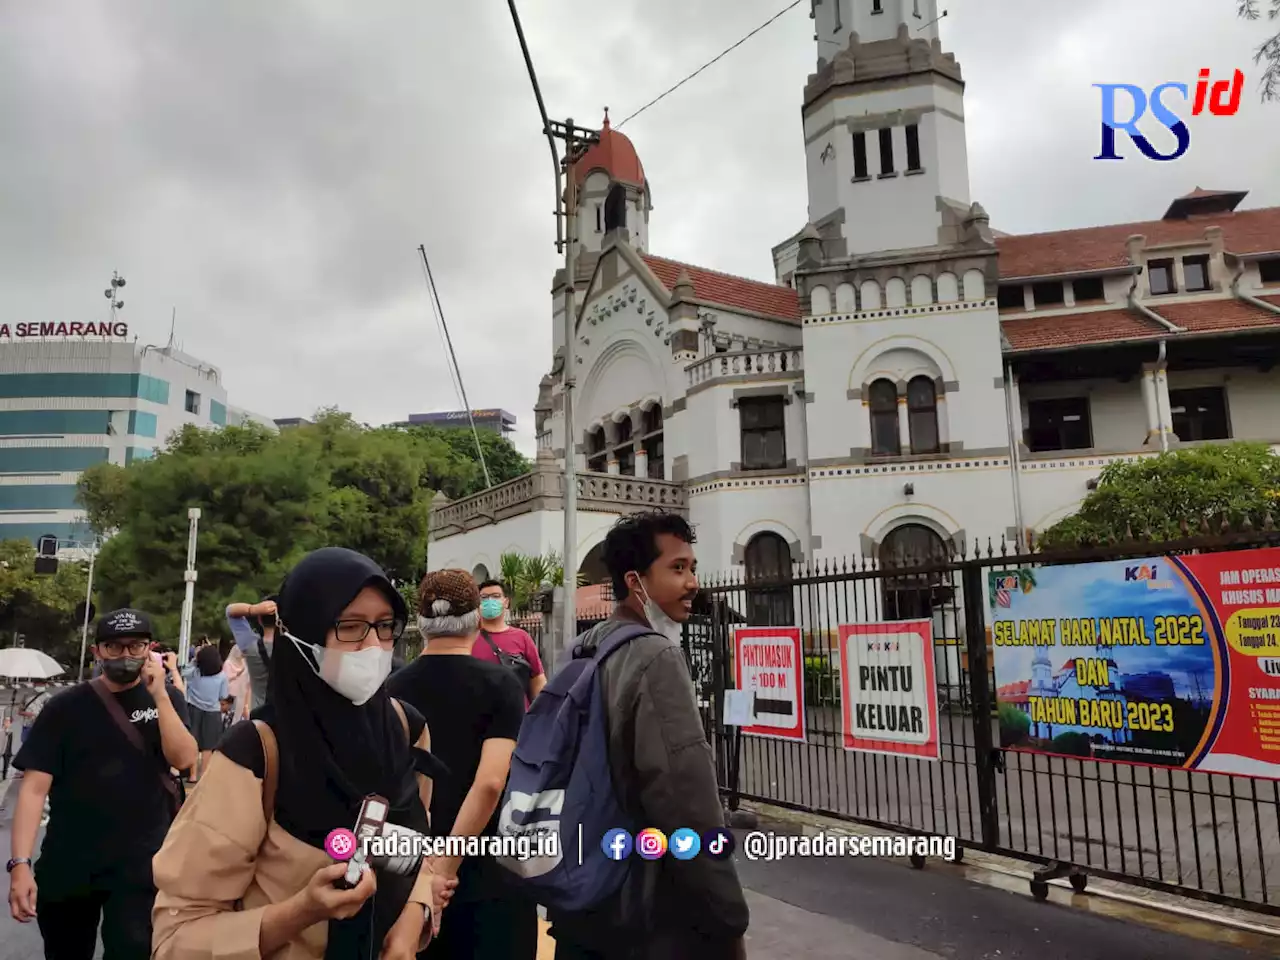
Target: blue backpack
(560, 784)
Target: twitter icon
(685, 844)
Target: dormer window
(1088, 289)
(877, 6)
(1269, 271)
(1160, 276)
(1195, 271)
(1049, 294)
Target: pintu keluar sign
(889, 699)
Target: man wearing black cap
(101, 752)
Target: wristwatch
(16, 862)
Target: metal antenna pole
(431, 281)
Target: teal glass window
(56, 423)
(49, 459)
(53, 496)
(142, 424)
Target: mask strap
(312, 661)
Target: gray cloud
(269, 169)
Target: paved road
(836, 909)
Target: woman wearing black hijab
(225, 874)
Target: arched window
(651, 439)
(908, 595)
(597, 458)
(615, 208)
(882, 398)
(769, 588)
(624, 450)
(480, 573)
(922, 415)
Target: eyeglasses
(116, 648)
(354, 631)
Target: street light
(56, 545)
(189, 577)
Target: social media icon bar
(651, 843)
(685, 844)
(617, 844)
(718, 844)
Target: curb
(1105, 897)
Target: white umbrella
(21, 663)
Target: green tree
(1267, 55)
(41, 607)
(266, 499)
(1155, 497)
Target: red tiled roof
(1097, 248)
(1078, 329)
(725, 290)
(1211, 316)
(1015, 692)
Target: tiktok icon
(718, 844)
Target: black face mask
(123, 669)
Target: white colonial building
(911, 376)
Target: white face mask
(660, 622)
(357, 675)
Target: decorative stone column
(1162, 403)
(904, 420)
(1150, 404)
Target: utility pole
(577, 141)
(189, 577)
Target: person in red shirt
(506, 645)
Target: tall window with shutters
(764, 435)
(882, 400)
(922, 415)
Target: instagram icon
(651, 843)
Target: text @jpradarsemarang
(763, 845)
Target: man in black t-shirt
(111, 800)
(473, 709)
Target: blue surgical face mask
(490, 608)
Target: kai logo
(1144, 572)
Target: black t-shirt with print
(465, 701)
(108, 809)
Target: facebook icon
(617, 844)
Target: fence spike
(1184, 527)
(1004, 545)
(1204, 526)
(1268, 521)
(1246, 525)
(991, 551)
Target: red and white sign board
(769, 668)
(889, 699)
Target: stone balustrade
(745, 363)
(543, 489)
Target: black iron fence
(1212, 836)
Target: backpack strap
(616, 639)
(270, 768)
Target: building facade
(912, 379)
(495, 420)
(67, 403)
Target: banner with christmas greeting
(1166, 661)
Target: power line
(712, 62)
(454, 360)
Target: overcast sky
(268, 169)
